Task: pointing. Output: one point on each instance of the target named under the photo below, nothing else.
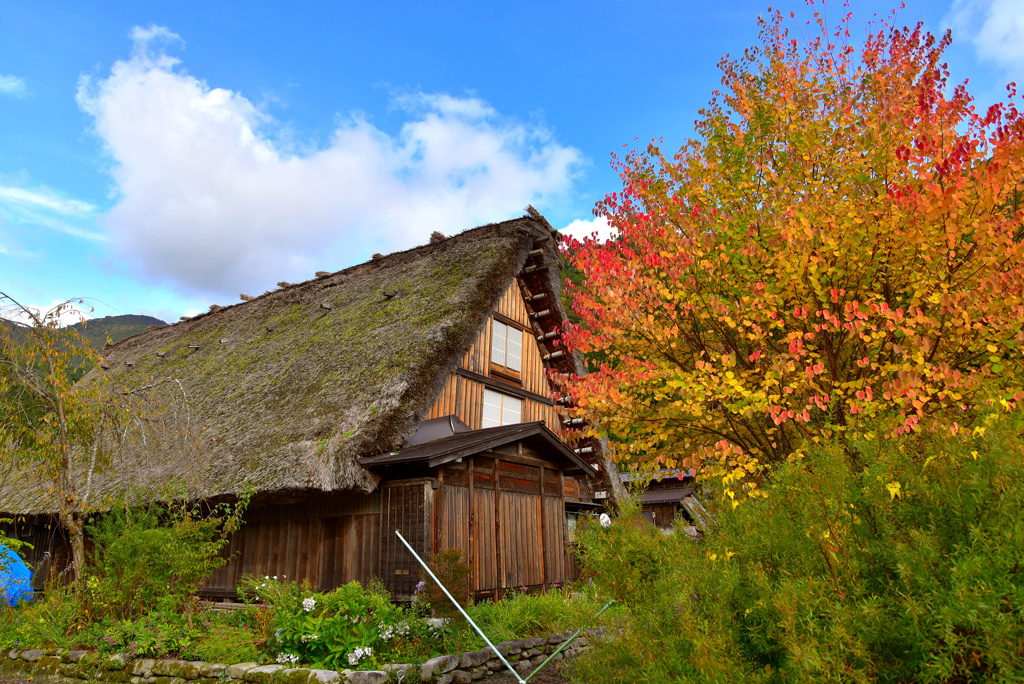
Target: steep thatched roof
(283, 392)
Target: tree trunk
(76, 531)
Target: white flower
(605, 520)
(359, 654)
(275, 577)
(308, 604)
(287, 658)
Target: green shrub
(886, 561)
(350, 627)
(453, 571)
(145, 560)
(157, 635)
(153, 558)
(53, 620)
(523, 615)
(221, 643)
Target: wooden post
(384, 552)
(543, 554)
(499, 591)
(563, 532)
(439, 507)
(472, 555)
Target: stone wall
(524, 656)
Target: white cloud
(210, 200)
(43, 207)
(13, 86)
(596, 227)
(144, 38)
(46, 199)
(994, 27)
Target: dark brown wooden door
(404, 507)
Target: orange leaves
(842, 240)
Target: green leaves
(877, 560)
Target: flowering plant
(347, 627)
(359, 654)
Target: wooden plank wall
(329, 542)
(509, 523)
(512, 306)
(453, 513)
(522, 562)
(463, 397)
(555, 537)
(351, 550)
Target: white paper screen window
(498, 337)
(507, 346)
(514, 349)
(501, 409)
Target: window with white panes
(506, 349)
(501, 409)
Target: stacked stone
(524, 656)
(93, 666)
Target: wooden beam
(511, 322)
(539, 267)
(504, 387)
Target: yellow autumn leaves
(842, 243)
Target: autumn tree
(51, 432)
(841, 239)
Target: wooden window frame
(504, 396)
(499, 370)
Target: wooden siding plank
(465, 399)
(484, 551)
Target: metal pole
(564, 644)
(464, 613)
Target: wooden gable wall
(463, 394)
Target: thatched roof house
(311, 390)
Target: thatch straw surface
(284, 392)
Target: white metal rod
(464, 613)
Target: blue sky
(158, 158)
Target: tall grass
(881, 561)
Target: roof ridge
(531, 215)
